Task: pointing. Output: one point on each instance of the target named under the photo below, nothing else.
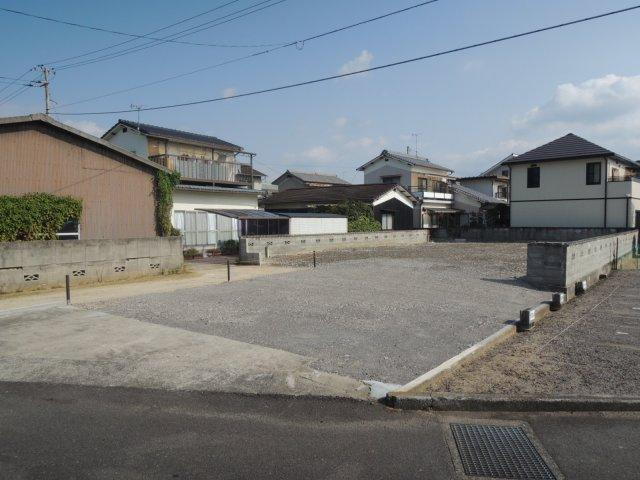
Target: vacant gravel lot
(386, 314)
(590, 347)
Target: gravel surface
(590, 347)
(389, 315)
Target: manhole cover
(496, 451)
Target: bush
(364, 224)
(230, 247)
(191, 253)
(163, 189)
(36, 216)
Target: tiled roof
(309, 177)
(481, 197)
(569, 146)
(334, 194)
(246, 170)
(180, 135)
(409, 159)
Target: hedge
(36, 216)
(164, 185)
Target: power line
(380, 67)
(175, 35)
(150, 33)
(133, 35)
(256, 54)
(16, 80)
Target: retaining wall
(527, 234)
(560, 265)
(39, 264)
(256, 249)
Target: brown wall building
(39, 154)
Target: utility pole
(45, 83)
(251, 155)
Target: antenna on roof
(415, 136)
(138, 108)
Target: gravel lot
(386, 314)
(590, 347)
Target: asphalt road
(73, 432)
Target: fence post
(228, 271)
(67, 281)
(314, 259)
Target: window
(505, 173)
(387, 220)
(393, 179)
(422, 182)
(533, 177)
(69, 231)
(593, 173)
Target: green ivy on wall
(164, 185)
(36, 216)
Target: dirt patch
(590, 347)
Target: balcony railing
(622, 178)
(191, 168)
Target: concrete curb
(527, 403)
(433, 374)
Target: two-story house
(427, 181)
(493, 182)
(212, 177)
(571, 182)
(295, 179)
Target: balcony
(623, 186)
(433, 191)
(201, 170)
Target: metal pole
(228, 271)
(67, 281)
(314, 259)
(251, 161)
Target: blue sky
(470, 109)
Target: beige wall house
(40, 154)
(571, 182)
(427, 181)
(212, 177)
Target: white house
(571, 182)
(428, 183)
(211, 177)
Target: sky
(468, 109)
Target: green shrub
(352, 209)
(230, 247)
(191, 253)
(36, 216)
(364, 224)
(163, 186)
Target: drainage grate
(499, 452)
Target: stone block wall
(40, 264)
(256, 249)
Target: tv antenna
(138, 108)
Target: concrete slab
(74, 346)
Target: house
(392, 205)
(40, 154)
(571, 182)
(427, 181)
(211, 176)
(478, 209)
(493, 182)
(291, 179)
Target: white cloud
(229, 92)
(366, 143)
(87, 126)
(340, 122)
(319, 153)
(361, 62)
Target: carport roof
(244, 214)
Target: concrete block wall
(560, 265)
(528, 234)
(40, 264)
(255, 250)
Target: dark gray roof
(46, 119)
(569, 146)
(481, 197)
(408, 159)
(246, 170)
(334, 194)
(243, 214)
(309, 177)
(172, 134)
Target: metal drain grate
(499, 452)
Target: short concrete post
(228, 271)
(67, 281)
(527, 319)
(557, 300)
(581, 287)
(314, 259)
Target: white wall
(131, 140)
(316, 226)
(482, 185)
(382, 168)
(190, 200)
